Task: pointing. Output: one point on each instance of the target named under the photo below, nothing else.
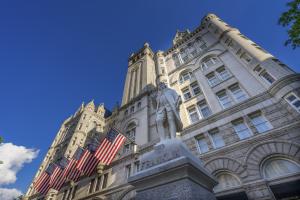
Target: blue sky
(56, 54)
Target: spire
(91, 105)
(101, 110)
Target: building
(241, 112)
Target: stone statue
(167, 104)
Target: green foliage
(291, 19)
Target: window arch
(209, 61)
(226, 181)
(185, 76)
(277, 167)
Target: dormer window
(176, 60)
(208, 62)
(185, 76)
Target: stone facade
(240, 112)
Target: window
(241, 129)
(163, 71)
(217, 138)
(278, 167)
(132, 109)
(128, 170)
(130, 131)
(126, 112)
(246, 57)
(185, 76)
(139, 104)
(204, 109)
(238, 94)
(201, 44)
(212, 79)
(257, 69)
(195, 88)
(161, 61)
(267, 77)
(261, 123)
(184, 55)
(127, 148)
(226, 181)
(202, 144)
(224, 99)
(91, 188)
(136, 166)
(208, 62)
(176, 60)
(186, 94)
(223, 74)
(74, 141)
(194, 117)
(98, 183)
(105, 178)
(294, 101)
(80, 126)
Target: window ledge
(193, 97)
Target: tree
(291, 19)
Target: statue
(167, 104)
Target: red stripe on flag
(115, 147)
(102, 149)
(116, 150)
(111, 149)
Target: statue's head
(161, 85)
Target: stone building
(240, 111)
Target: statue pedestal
(172, 172)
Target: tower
(140, 73)
(78, 130)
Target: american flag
(86, 161)
(109, 147)
(71, 172)
(57, 179)
(42, 184)
(104, 153)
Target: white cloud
(13, 157)
(9, 194)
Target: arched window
(185, 76)
(277, 167)
(226, 181)
(208, 62)
(130, 131)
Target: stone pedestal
(172, 172)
